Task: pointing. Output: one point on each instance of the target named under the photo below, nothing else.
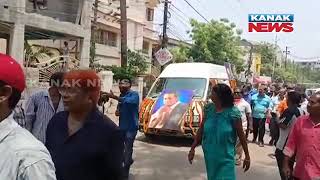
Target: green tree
(137, 62)
(286, 76)
(137, 65)
(216, 42)
(267, 52)
(268, 56)
(268, 65)
(93, 64)
(180, 54)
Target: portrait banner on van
(169, 110)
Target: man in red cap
(22, 155)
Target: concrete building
(141, 35)
(55, 20)
(312, 64)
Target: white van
(197, 78)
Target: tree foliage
(267, 51)
(180, 54)
(293, 73)
(93, 61)
(137, 65)
(215, 42)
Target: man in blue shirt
(247, 93)
(261, 106)
(128, 112)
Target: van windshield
(197, 85)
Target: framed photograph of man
(169, 109)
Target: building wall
(108, 61)
(134, 35)
(107, 55)
(310, 64)
(36, 23)
(60, 9)
(136, 10)
(139, 29)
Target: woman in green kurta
(218, 134)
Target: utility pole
(286, 60)
(123, 28)
(250, 63)
(94, 27)
(165, 25)
(275, 58)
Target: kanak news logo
(271, 22)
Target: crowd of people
(62, 134)
(294, 123)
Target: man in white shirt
(304, 103)
(245, 109)
(23, 157)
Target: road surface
(166, 159)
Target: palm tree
(33, 55)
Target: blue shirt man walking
(261, 106)
(128, 112)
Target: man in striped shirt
(41, 107)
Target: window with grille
(106, 37)
(150, 14)
(145, 47)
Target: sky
(303, 42)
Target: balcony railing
(107, 42)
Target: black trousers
(274, 129)
(280, 158)
(259, 128)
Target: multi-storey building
(312, 64)
(141, 35)
(56, 20)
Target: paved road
(166, 159)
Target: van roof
(197, 70)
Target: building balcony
(150, 34)
(107, 50)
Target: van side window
(211, 84)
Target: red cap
(11, 73)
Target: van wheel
(149, 136)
